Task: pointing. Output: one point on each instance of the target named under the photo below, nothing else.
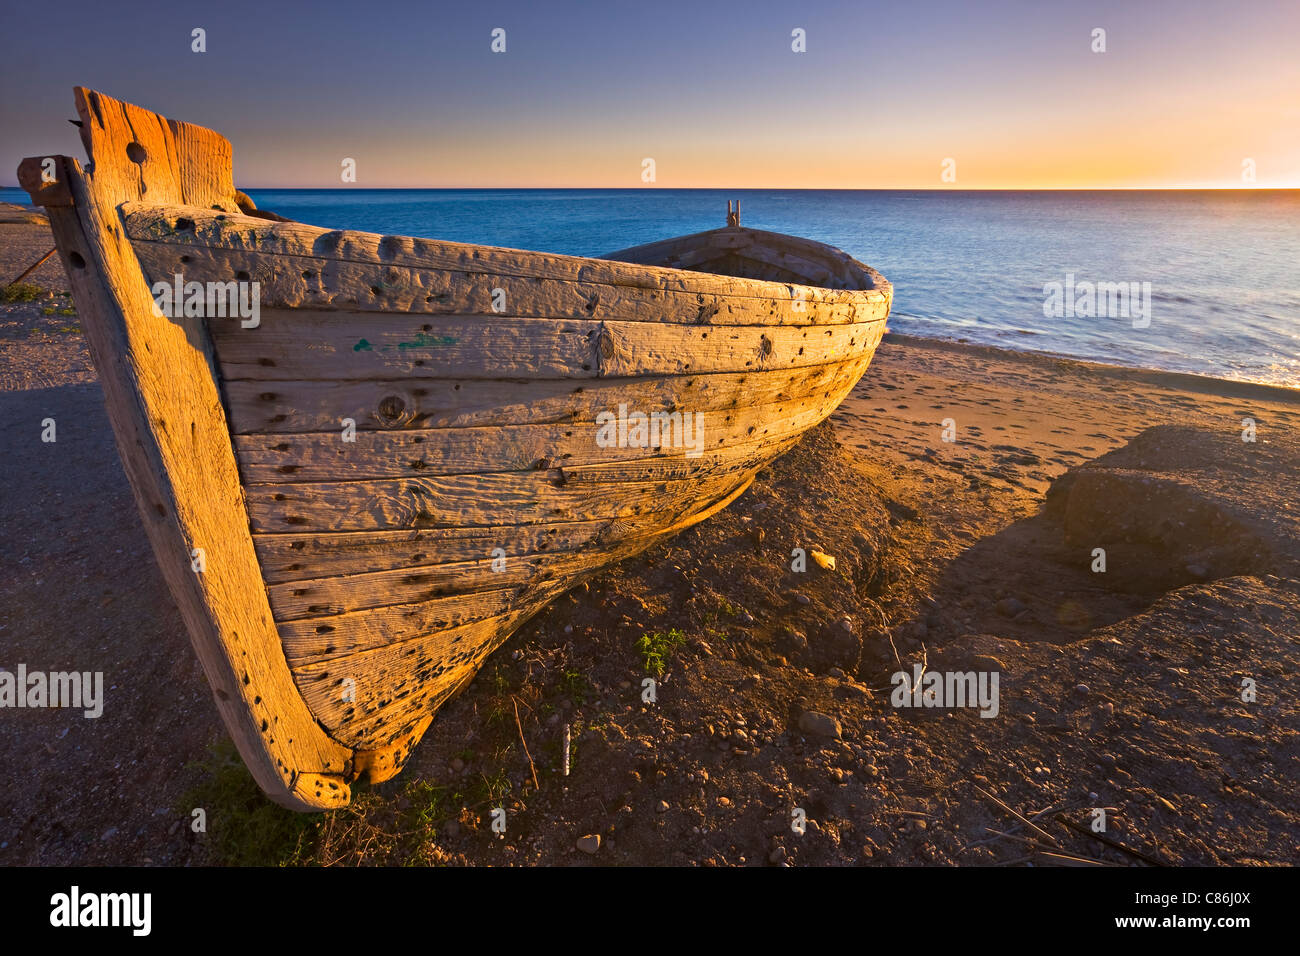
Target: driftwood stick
(1004, 834)
(32, 268)
(1069, 859)
(515, 701)
(1036, 829)
(1086, 831)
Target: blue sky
(712, 92)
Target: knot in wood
(391, 410)
(605, 344)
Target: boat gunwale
(585, 270)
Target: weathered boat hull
(412, 446)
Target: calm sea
(1217, 272)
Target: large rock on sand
(1178, 505)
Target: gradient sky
(887, 90)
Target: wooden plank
(295, 406)
(347, 345)
(459, 501)
(289, 557)
(225, 231)
(326, 456)
(345, 632)
(175, 446)
(326, 284)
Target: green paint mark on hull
(421, 341)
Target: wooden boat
(357, 497)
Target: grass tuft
(656, 649)
(21, 292)
(244, 828)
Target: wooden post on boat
(162, 399)
(733, 217)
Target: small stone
(589, 844)
(777, 855)
(109, 833)
(822, 725)
(662, 807)
(802, 598)
(1010, 607)
(824, 560)
(1082, 690)
(568, 629)
(724, 802)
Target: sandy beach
(1120, 690)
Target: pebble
(777, 855)
(1010, 607)
(662, 807)
(590, 843)
(109, 833)
(803, 598)
(1082, 690)
(822, 725)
